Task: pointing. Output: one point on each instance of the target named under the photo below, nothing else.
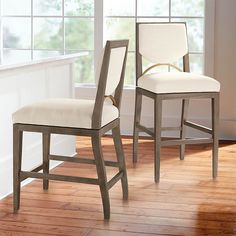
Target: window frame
(32, 17)
(167, 18)
(208, 49)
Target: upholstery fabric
(114, 70)
(64, 112)
(163, 43)
(178, 82)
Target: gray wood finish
(215, 135)
(157, 137)
(82, 160)
(121, 160)
(101, 172)
(96, 132)
(156, 132)
(17, 160)
(137, 115)
(185, 104)
(46, 152)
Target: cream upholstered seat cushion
(64, 112)
(178, 82)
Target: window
(120, 23)
(35, 29)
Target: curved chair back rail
(81, 118)
(161, 64)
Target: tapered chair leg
(17, 159)
(46, 152)
(185, 104)
(121, 160)
(215, 135)
(137, 115)
(157, 137)
(101, 172)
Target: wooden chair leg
(101, 172)
(215, 135)
(46, 152)
(121, 160)
(137, 115)
(157, 136)
(185, 104)
(17, 159)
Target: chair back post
(119, 88)
(186, 63)
(101, 91)
(98, 106)
(138, 60)
(186, 66)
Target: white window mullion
(63, 27)
(209, 32)
(98, 30)
(32, 31)
(1, 36)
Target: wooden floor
(187, 201)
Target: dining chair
(163, 44)
(81, 118)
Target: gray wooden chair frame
(156, 131)
(95, 133)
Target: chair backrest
(160, 43)
(111, 78)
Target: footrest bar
(27, 174)
(147, 130)
(81, 160)
(198, 127)
(37, 169)
(115, 179)
(186, 141)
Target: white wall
(23, 85)
(225, 63)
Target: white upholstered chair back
(162, 43)
(117, 57)
(111, 77)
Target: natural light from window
(35, 29)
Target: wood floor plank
(187, 201)
(25, 227)
(97, 232)
(13, 233)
